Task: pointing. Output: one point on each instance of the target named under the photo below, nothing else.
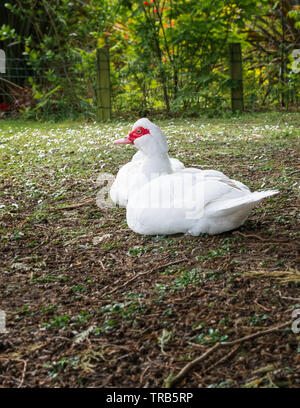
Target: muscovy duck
(162, 197)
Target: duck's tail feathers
(246, 202)
(259, 195)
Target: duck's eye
(139, 131)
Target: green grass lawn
(77, 310)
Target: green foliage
(212, 336)
(180, 46)
(59, 53)
(169, 55)
(271, 40)
(57, 321)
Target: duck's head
(146, 137)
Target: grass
(75, 272)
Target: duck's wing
(230, 205)
(215, 174)
(176, 164)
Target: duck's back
(176, 203)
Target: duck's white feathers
(162, 197)
(128, 175)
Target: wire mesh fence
(49, 85)
(96, 85)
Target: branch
(145, 273)
(72, 206)
(173, 379)
(11, 83)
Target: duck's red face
(138, 132)
(132, 136)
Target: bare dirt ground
(91, 304)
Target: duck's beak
(125, 140)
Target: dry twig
(23, 373)
(260, 238)
(173, 379)
(224, 358)
(146, 273)
(72, 206)
(24, 368)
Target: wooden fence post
(236, 71)
(103, 96)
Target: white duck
(125, 181)
(164, 200)
(120, 188)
